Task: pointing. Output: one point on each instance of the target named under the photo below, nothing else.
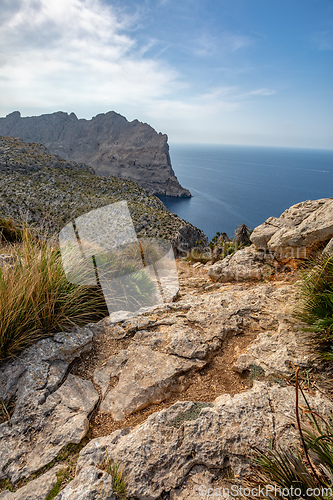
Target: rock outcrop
(280, 243)
(45, 188)
(300, 229)
(245, 264)
(108, 143)
(47, 415)
(160, 454)
(91, 484)
(126, 366)
(163, 349)
(38, 489)
(176, 450)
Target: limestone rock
(46, 418)
(277, 352)
(159, 454)
(243, 265)
(195, 485)
(297, 231)
(164, 348)
(32, 440)
(147, 377)
(90, 484)
(38, 489)
(108, 143)
(42, 367)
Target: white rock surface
(32, 441)
(277, 352)
(46, 417)
(38, 489)
(245, 264)
(147, 377)
(166, 347)
(159, 454)
(299, 229)
(91, 484)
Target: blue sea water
(233, 185)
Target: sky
(252, 72)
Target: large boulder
(245, 264)
(38, 489)
(298, 231)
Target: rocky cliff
(108, 143)
(45, 188)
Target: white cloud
(65, 52)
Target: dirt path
(216, 378)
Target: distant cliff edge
(108, 143)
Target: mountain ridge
(108, 142)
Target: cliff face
(108, 143)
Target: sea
(234, 185)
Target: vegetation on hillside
(47, 190)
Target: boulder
(165, 348)
(300, 229)
(147, 377)
(246, 264)
(34, 439)
(276, 352)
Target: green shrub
(118, 481)
(316, 304)
(221, 246)
(36, 299)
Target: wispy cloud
(61, 52)
(208, 44)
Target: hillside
(45, 188)
(108, 143)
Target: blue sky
(256, 72)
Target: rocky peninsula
(108, 142)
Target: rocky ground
(177, 396)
